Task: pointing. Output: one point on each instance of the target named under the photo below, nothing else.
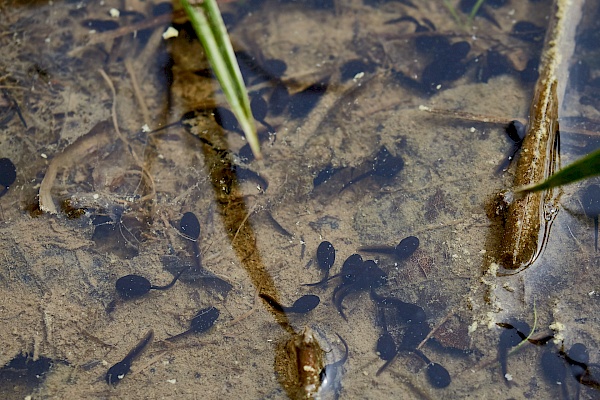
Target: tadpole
(118, 371)
(189, 226)
(325, 260)
(227, 120)
(406, 313)
(387, 350)
(8, 175)
(401, 251)
(303, 305)
(590, 199)
(384, 165)
(259, 108)
(357, 275)
(515, 131)
(203, 321)
(133, 286)
(438, 376)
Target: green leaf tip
(210, 29)
(585, 167)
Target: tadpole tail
(170, 285)
(384, 366)
(338, 298)
(353, 181)
(197, 255)
(506, 163)
(323, 281)
(182, 334)
(422, 356)
(140, 347)
(378, 249)
(346, 351)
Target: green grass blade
(210, 28)
(453, 12)
(583, 168)
(474, 10)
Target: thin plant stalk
(210, 28)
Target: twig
(145, 172)
(434, 330)
(137, 92)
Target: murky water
(351, 88)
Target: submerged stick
(530, 216)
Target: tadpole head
(190, 226)
(515, 131)
(306, 303)
(132, 286)
(204, 320)
(438, 376)
(413, 335)
(259, 107)
(406, 247)
(578, 358)
(117, 372)
(387, 165)
(351, 268)
(386, 347)
(325, 255)
(8, 172)
(579, 353)
(226, 119)
(411, 313)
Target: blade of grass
(583, 168)
(452, 11)
(210, 28)
(474, 10)
(530, 333)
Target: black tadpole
(118, 371)
(407, 313)
(259, 108)
(515, 131)
(401, 251)
(387, 351)
(438, 376)
(189, 226)
(303, 305)
(590, 199)
(8, 175)
(227, 120)
(384, 165)
(325, 260)
(134, 286)
(203, 321)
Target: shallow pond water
(385, 119)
